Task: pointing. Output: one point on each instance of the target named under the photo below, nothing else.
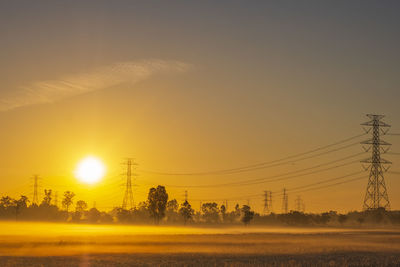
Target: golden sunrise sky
(194, 87)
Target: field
(45, 244)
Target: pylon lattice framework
(128, 196)
(267, 202)
(299, 204)
(35, 199)
(376, 195)
(284, 202)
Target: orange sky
(190, 89)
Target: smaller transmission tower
(299, 204)
(56, 199)
(284, 202)
(267, 202)
(35, 199)
(376, 195)
(128, 196)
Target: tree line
(159, 209)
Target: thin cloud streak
(51, 91)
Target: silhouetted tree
(94, 215)
(6, 202)
(68, 199)
(81, 206)
(210, 212)
(172, 205)
(342, 219)
(186, 211)
(172, 211)
(223, 213)
(47, 198)
(19, 205)
(248, 214)
(157, 202)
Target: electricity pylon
(285, 202)
(267, 202)
(376, 195)
(35, 199)
(128, 196)
(299, 204)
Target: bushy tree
(210, 212)
(247, 214)
(68, 199)
(157, 203)
(223, 213)
(342, 219)
(94, 215)
(81, 206)
(19, 205)
(186, 211)
(47, 198)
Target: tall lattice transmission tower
(284, 202)
(267, 202)
(376, 195)
(299, 204)
(128, 196)
(35, 199)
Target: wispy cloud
(101, 78)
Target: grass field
(44, 244)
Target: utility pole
(128, 197)
(376, 195)
(35, 199)
(226, 205)
(267, 202)
(285, 202)
(186, 195)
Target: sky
(194, 87)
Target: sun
(90, 170)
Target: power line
(330, 185)
(262, 164)
(271, 178)
(325, 181)
(295, 189)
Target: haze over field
(192, 88)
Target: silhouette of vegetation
(157, 202)
(157, 209)
(210, 212)
(186, 211)
(68, 199)
(248, 214)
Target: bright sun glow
(90, 170)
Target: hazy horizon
(195, 87)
